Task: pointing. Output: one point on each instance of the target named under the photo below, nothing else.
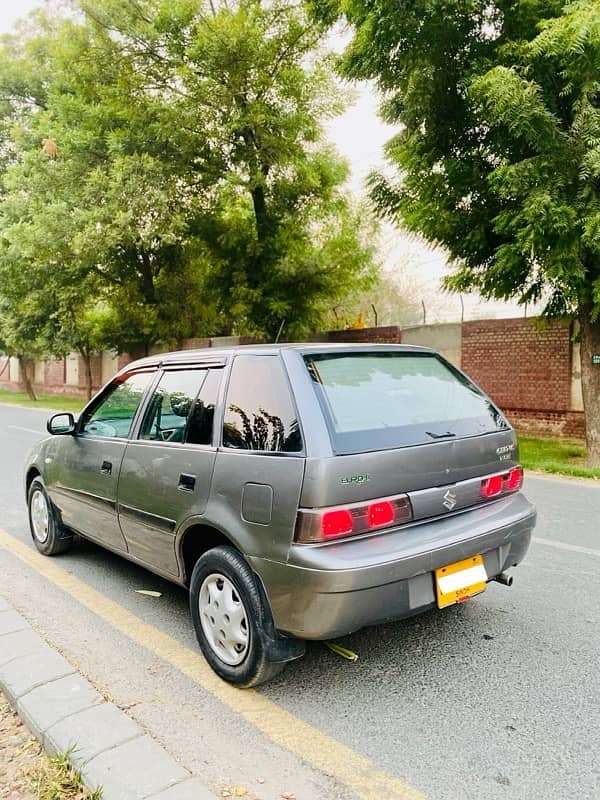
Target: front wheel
(47, 531)
(227, 611)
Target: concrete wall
(445, 338)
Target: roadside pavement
(64, 711)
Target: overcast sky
(360, 135)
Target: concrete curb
(63, 710)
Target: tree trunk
(590, 382)
(87, 360)
(25, 378)
(147, 285)
(260, 212)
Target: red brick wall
(4, 371)
(386, 334)
(55, 373)
(194, 344)
(519, 365)
(526, 370)
(548, 423)
(96, 373)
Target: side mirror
(61, 424)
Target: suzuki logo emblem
(449, 500)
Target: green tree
(497, 153)
(248, 89)
(191, 191)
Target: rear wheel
(47, 531)
(227, 610)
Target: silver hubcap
(223, 619)
(39, 516)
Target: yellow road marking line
(303, 740)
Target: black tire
(47, 531)
(225, 566)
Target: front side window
(113, 415)
(259, 412)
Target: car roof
(218, 356)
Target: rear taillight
(490, 487)
(327, 524)
(515, 479)
(336, 523)
(497, 485)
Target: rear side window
(167, 413)
(375, 401)
(259, 412)
(200, 429)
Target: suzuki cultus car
(298, 491)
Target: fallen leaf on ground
(149, 592)
(28, 745)
(341, 651)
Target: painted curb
(63, 711)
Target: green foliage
(499, 133)
(191, 192)
(497, 152)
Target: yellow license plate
(457, 582)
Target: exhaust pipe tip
(504, 579)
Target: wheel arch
(196, 540)
(32, 473)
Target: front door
(83, 475)
(166, 472)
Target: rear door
(166, 472)
(260, 465)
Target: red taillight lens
(325, 524)
(336, 523)
(501, 484)
(514, 479)
(380, 514)
(490, 487)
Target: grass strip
(58, 402)
(556, 456)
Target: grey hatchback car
(298, 491)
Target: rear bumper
(325, 591)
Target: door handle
(106, 468)
(187, 483)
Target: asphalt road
(498, 698)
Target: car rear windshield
(378, 401)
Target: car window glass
(200, 428)
(259, 413)
(167, 413)
(114, 413)
(391, 399)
